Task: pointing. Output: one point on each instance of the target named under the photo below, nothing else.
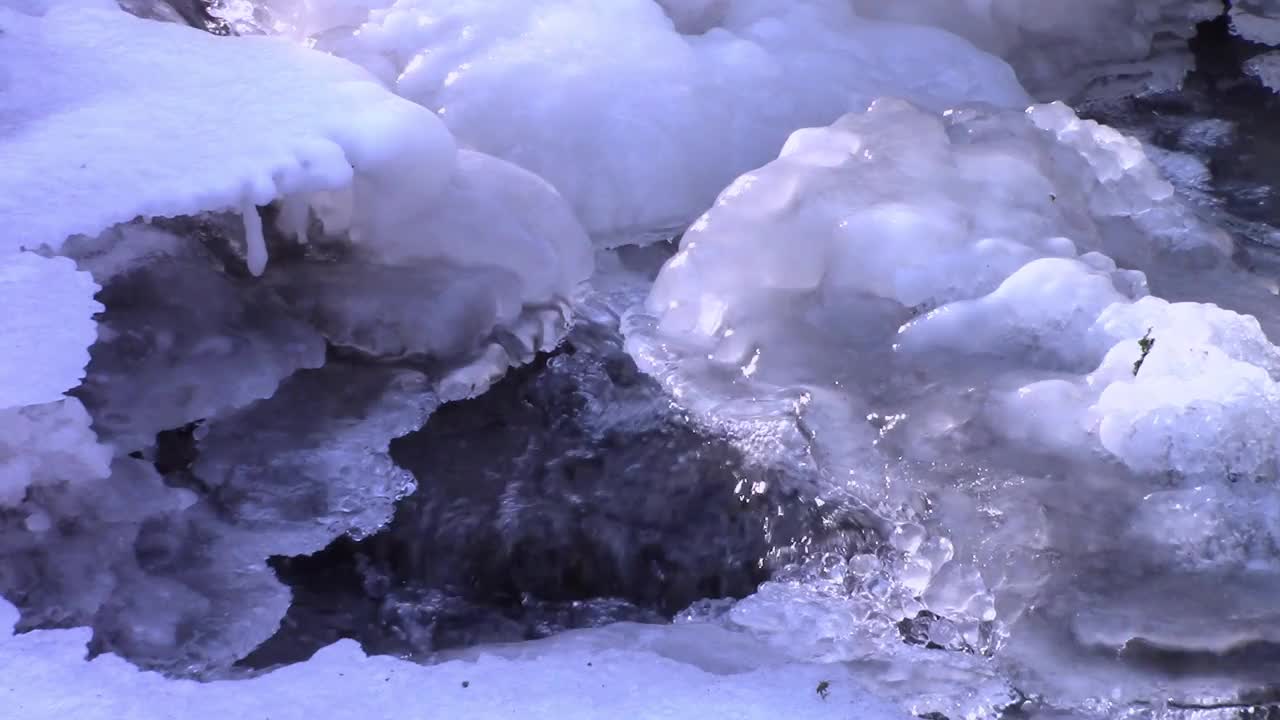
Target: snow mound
(213, 438)
(954, 314)
(208, 141)
(317, 133)
(654, 106)
(45, 329)
(696, 671)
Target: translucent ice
(955, 312)
(180, 340)
(177, 578)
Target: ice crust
(983, 235)
(697, 92)
(180, 341)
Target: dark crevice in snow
(1224, 118)
(195, 13)
(569, 495)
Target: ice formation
(1060, 48)
(208, 358)
(953, 311)
(974, 387)
(692, 90)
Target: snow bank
(211, 141)
(319, 139)
(952, 316)
(208, 141)
(622, 671)
(654, 106)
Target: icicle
(294, 216)
(255, 243)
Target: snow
(45, 329)
(1017, 395)
(313, 126)
(642, 119)
(70, 107)
(695, 671)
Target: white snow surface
(679, 672)
(209, 140)
(46, 327)
(221, 133)
(653, 107)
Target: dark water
(572, 494)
